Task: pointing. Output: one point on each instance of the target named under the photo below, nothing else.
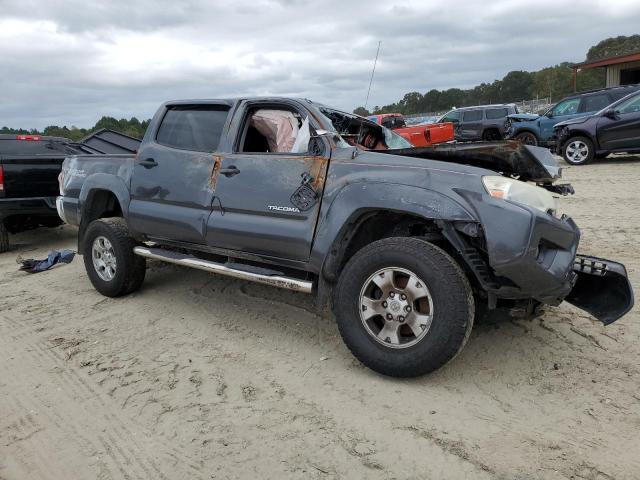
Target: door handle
(230, 171)
(149, 163)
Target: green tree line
(132, 127)
(552, 82)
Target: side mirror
(549, 114)
(610, 113)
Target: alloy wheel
(396, 307)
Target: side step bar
(169, 256)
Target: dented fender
(357, 199)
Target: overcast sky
(72, 61)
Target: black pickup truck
(29, 169)
(406, 244)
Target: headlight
(520, 192)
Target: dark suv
(533, 129)
(615, 128)
(484, 122)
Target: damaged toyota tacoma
(405, 244)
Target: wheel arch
(580, 133)
(102, 196)
(491, 129)
(527, 130)
(356, 218)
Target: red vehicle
(418, 135)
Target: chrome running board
(170, 256)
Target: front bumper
(533, 255)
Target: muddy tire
(527, 138)
(578, 151)
(403, 306)
(4, 238)
(111, 265)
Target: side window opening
(452, 116)
(494, 113)
(472, 116)
(594, 103)
(269, 130)
(193, 127)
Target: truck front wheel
(112, 267)
(4, 238)
(403, 306)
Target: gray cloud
(70, 62)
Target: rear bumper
(67, 209)
(31, 206)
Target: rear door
(267, 201)
(471, 126)
(171, 193)
(623, 131)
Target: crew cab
(614, 129)
(534, 129)
(29, 169)
(405, 244)
(422, 135)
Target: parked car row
(539, 129)
(580, 128)
(614, 129)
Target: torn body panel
(217, 164)
(602, 288)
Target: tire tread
(453, 337)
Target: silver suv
(484, 122)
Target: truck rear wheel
(112, 267)
(403, 306)
(4, 238)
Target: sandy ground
(197, 376)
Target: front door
(621, 131)
(562, 111)
(268, 191)
(171, 193)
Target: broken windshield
(353, 130)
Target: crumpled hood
(573, 121)
(529, 163)
(523, 117)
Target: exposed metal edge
(193, 262)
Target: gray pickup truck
(407, 245)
